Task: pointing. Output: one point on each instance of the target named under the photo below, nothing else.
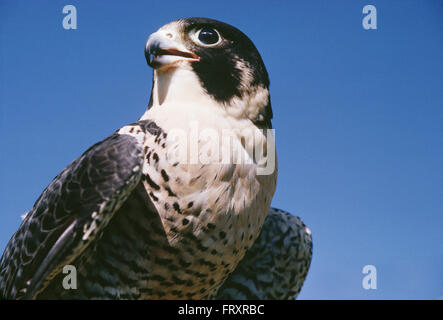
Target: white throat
(178, 85)
(178, 99)
(179, 90)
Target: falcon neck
(178, 98)
(178, 85)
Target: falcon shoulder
(71, 212)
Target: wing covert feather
(70, 212)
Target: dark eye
(208, 36)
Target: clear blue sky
(358, 117)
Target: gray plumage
(278, 263)
(86, 193)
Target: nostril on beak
(169, 35)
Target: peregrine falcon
(157, 210)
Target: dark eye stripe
(208, 36)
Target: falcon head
(216, 57)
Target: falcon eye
(208, 36)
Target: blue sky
(358, 119)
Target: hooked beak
(161, 49)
